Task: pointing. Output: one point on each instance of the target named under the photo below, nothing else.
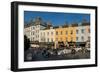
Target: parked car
(64, 51)
(78, 49)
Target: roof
(84, 24)
(33, 24)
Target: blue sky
(56, 18)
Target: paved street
(39, 55)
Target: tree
(26, 43)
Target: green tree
(26, 43)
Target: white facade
(27, 32)
(82, 34)
(37, 31)
(47, 35)
(32, 31)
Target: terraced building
(64, 35)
